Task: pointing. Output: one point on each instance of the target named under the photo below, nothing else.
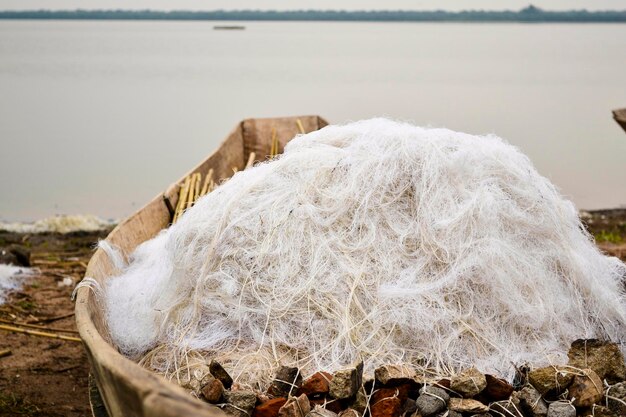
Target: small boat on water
(229, 27)
(122, 387)
(620, 117)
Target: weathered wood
(126, 388)
(620, 117)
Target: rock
(466, 405)
(318, 411)
(497, 389)
(468, 383)
(443, 383)
(604, 358)
(389, 402)
(550, 379)
(386, 407)
(269, 408)
(295, 407)
(336, 406)
(395, 374)
(401, 391)
(360, 401)
(349, 412)
(597, 411)
(451, 413)
(346, 382)
(220, 373)
(193, 380)
(318, 383)
(15, 255)
(586, 390)
(561, 409)
(508, 408)
(239, 403)
(616, 398)
(409, 407)
(431, 401)
(211, 389)
(287, 381)
(530, 402)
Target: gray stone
(239, 403)
(360, 401)
(318, 411)
(409, 407)
(467, 405)
(616, 398)
(295, 407)
(531, 403)
(507, 408)
(468, 383)
(346, 382)
(431, 401)
(561, 409)
(286, 382)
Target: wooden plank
(620, 117)
(127, 389)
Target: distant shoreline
(528, 15)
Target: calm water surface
(97, 117)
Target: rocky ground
(43, 376)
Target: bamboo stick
(207, 182)
(192, 188)
(300, 127)
(50, 319)
(5, 352)
(197, 190)
(274, 148)
(34, 326)
(38, 333)
(251, 159)
(182, 199)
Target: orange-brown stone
(318, 383)
(269, 408)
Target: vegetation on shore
(529, 14)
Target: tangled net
(376, 240)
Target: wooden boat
(620, 117)
(231, 27)
(127, 389)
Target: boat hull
(126, 388)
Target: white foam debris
(60, 224)
(11, 279)
(374, 239)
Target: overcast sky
(320, 4)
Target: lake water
(98, 117)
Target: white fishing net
(378, 240)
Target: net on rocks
(376, 240)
